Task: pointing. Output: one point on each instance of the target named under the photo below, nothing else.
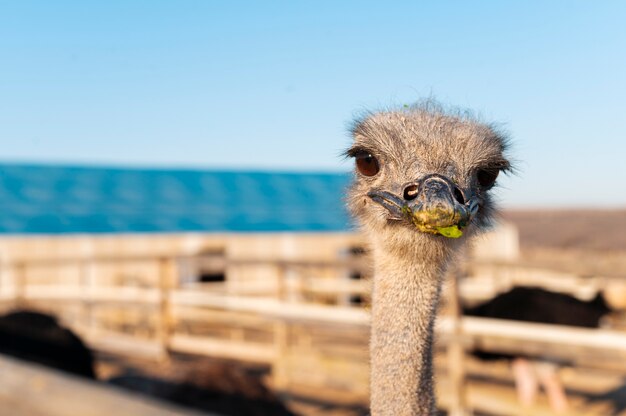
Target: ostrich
(421, 188)
(38, 337)
(532, 304)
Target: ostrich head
(423, 177)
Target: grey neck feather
(405, 298)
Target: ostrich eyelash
(502, 166)
(354, 151)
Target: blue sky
(273, 85)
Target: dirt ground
(595, 230)
(589, 242)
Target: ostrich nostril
(410, 192)
(458, 195)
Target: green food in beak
(452, 231)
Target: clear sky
(273, 85)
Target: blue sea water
(38, 199)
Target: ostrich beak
(394, 204)
(433, 205)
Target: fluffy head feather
(416, 141)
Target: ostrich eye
(366, 164)
(487, 177)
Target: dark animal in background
(38, 337)
(531, 304)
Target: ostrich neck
(405, 297)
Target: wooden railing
(271, 329)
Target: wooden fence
(312, 348)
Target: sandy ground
(595, 230)
(591, 242)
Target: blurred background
(172, 218)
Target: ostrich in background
(40, 338)
(421, 189)
(533, 304)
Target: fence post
(20, 285)
(167, 281)
(280, 377)
(456, 353)
(87, 288)
(280, 374)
